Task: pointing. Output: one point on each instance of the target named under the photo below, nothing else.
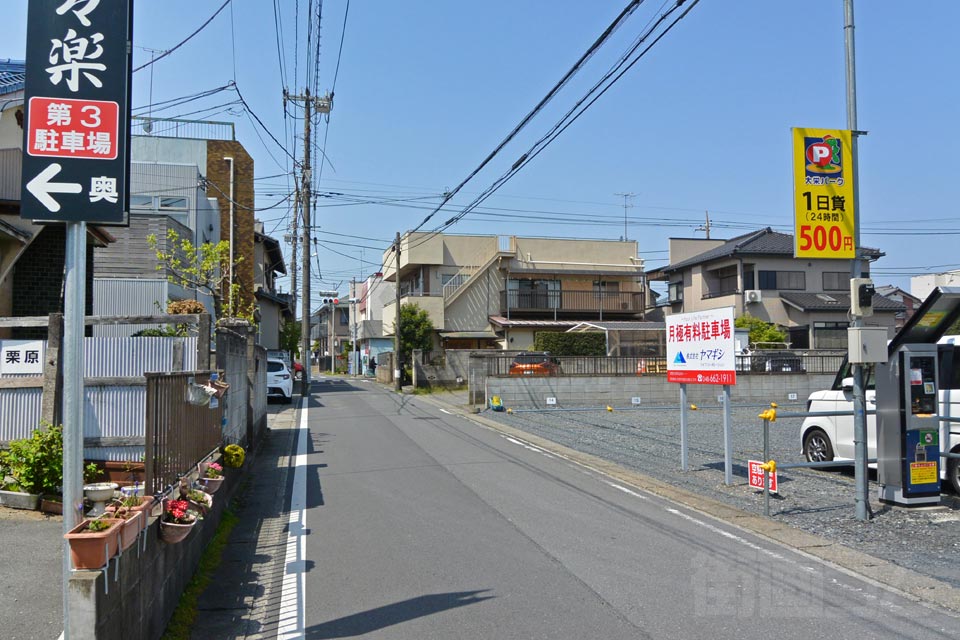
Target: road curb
(911, 584)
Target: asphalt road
(420, 524)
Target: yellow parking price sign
(823, 194)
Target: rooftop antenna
(627, 204)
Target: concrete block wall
(618, 391)
(140, 602)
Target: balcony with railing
(611, 304)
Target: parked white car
(826, 438)
(279, 380)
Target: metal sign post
(701, 350)
(76, 137)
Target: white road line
(449, 413)
(627, 491)
(726, 534)
(290, 624)
(530, 447)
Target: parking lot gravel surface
(647, 440)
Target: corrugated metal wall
(127, 297)
(114, 411)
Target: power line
(186, 40)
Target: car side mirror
(847, 384)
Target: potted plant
(32, 466)
(212, 477)
(200, 500)
(233, 455)
(177, 521)
(93, 542)
(133, 511)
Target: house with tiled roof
(756, 274)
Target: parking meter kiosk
(908, 438)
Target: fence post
(251, 385)
(52, 372)
(203, 342)
(150, 424)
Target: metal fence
(758, 363)
(179, 432)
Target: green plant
(760, 330)
(570, 344)
(91, 472)
(290, 337)
(36, 463)
(416, 330)
(233, 455)
(214, 470)
(98, 524)
(205, 268)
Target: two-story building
(498, 291)
(756, 274)
(274, 307)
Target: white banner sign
(700, 347)
(21, 356)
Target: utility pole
(396, 324)
(859, 416)
(293, 258)
(706, 225)
(322, 105)
(627, 204)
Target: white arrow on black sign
(41, 187)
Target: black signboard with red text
(76, 133)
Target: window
(528, 293)
(344, 317)
(173, 203)
(445, 278)
(726, 280)
(836, 281)
(786, 280)
(676, 292)
(748, 279)
(830, 335)
(141, 202)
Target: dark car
(535, 364)
(776, 361)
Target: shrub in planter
(35, 464)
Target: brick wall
(38, 280)
(218, 179)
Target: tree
(760, 331)
(205, 269)
(290, 337)
(416, 330)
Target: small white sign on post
(551, 400)
(21, 357)
(635, 400)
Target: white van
(826, 438)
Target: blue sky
(426, 89)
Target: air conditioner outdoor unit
(752, 295)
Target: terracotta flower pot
(131, 528)
(172, 532)
(204, 505)
(211, 485)
(93, 549)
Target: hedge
(570, 344)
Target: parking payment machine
(908, 403)
(908, 449)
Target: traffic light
(861, 297)
(330, 300)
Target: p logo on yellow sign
(823, 194)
